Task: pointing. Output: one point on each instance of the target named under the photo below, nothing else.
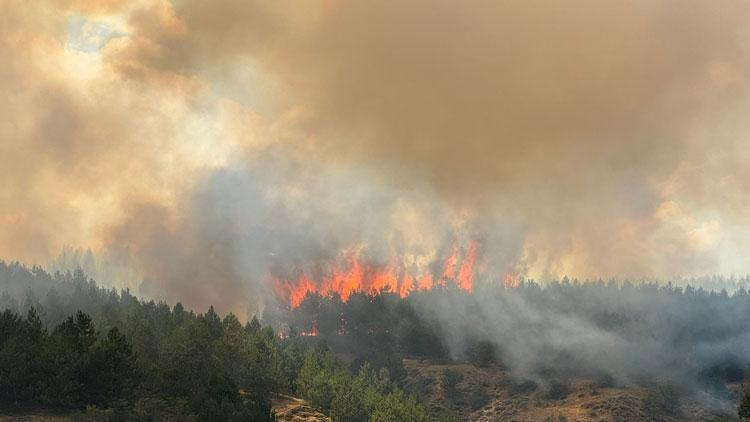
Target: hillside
(492, 394)
(355, 360)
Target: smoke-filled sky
(204, 145)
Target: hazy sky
(204, 144)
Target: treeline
(71, 366)
(689, 338)
(377, 327)
(126, 359)
(196, 372)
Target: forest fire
(357, 276)
(511, 280)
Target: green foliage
(348, 406)
(22, 374)
(220, 400)
(114, 370)
(364, 325)
(150, 363)
(315, 380)
(201, 366)
(70, 367)
(369, 395)
(397, 406)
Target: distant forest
(66, 343)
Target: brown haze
(207, 143)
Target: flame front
(357, 276)
(511, 280)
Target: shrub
(451, 378)
(604, 380)
(556, 390)
(398, 406)
(482, 353)
(522, 387)
(663, 399)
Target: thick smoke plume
(208, 145)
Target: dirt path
(290, 408)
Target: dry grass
(290, 409)
(508, 400)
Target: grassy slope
(490, 394)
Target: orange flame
(449, 268)
(425, 283)
(311, 333)
(512, 280)
(303, 286)
(466, 273)
(407, 284)
(356, 276)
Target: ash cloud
(208, 143)
(550, 116)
